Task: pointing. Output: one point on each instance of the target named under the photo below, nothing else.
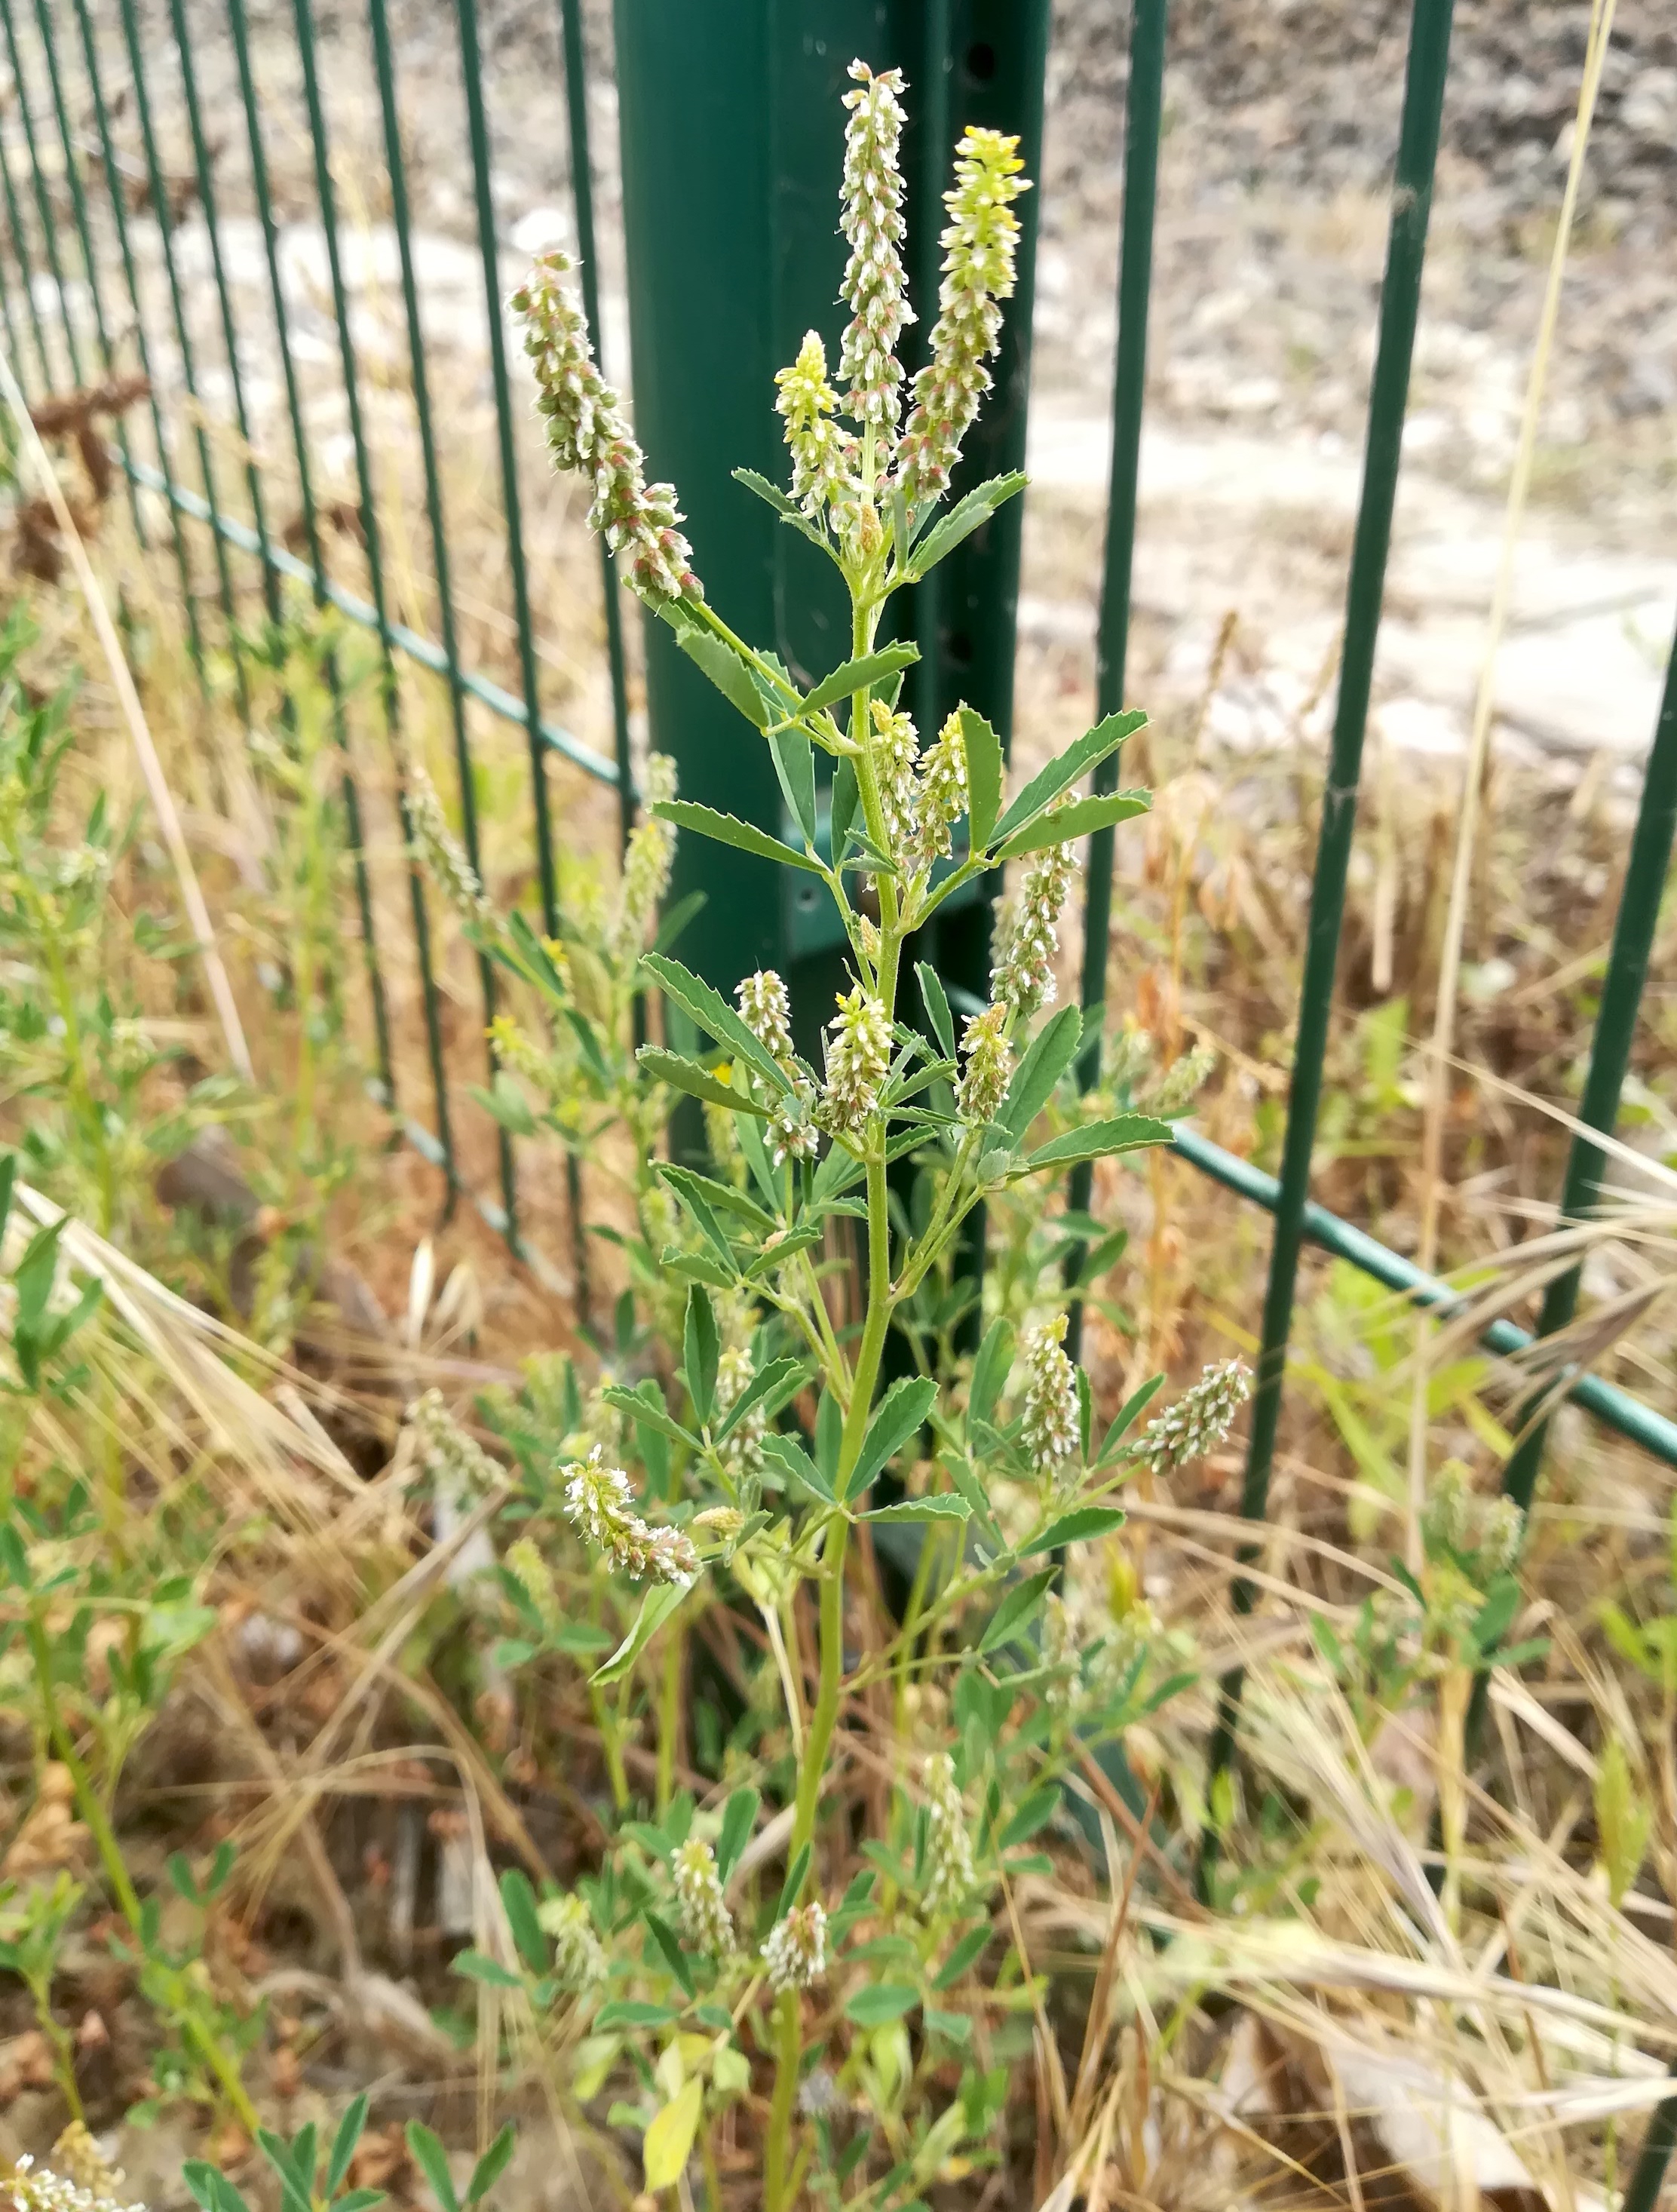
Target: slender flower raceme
(1052, 1414)
(949, 1860)
(940, 797)
(1200, 1419)
(873, 282)
(859, 1058)
(441, 853)
(586, 433)
(796, 1952)
(34, 2188)
(980, 248)
(706, 1920)
(735, 1369)
(895, 751)
(766, 1011)
(1023, 979)
(648, 860)
(600, 1503)
(824, 460)
(990, 1065)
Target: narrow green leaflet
(1015, 1609)
(739, 1818)
(720, 662)
(788, 509)
(517, 1902)
(868, 669)
(1128, 1414)
(795, 1463)
(1086, 752)
(650, 1413)
(967, 515)
(697, 1082)
(656, 1607)
(965, 1956)
(701, 1351)
(983, 777)
(1075, 1528)
(669, 1944)
(878, 2002)
(712, 1012)
(899, 1415)
(1051, 1052)
(794, 764)
(1078, 820)
(1125, 1133)
(770, 1389)
(922, 1509)
(719, 1196)
(729, 830)
(937, 1006)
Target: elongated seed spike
(588, 434)
(1052, 1425)
(1022, 978)
(1200, 1417)
(706, 1922)
(948, 1845)
(647, 863)
(796, 1952)
(990, 1065)
(859, 1058)
(871, 221)
(824, 459)
(980, 244)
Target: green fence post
(49, 228)
(1143, 107)
(1400, 306)
(731, 116)
(1633, 931)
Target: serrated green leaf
(795, 1463)
(984, 774)
(769, 1389)
(965, 1956)
(880, 2002)
(478, 1967)
(921, 1508)
(1125, 1133)
(1016, 1610)
(739, 1818)
(937, 1006)
(794, 766)
(867, 670)
(1078, 820)
(702, 1346)
(716, 1018)
(1075, 1528)
(1086, 752)
(683, 1074)
(899, 1415)
(729, 830)
(967, 515)
(656, 1607)
(730, 674)
(649, 1413)
(1047, 1058)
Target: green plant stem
(789, 2037)
(128, 1900)
(669, 1717)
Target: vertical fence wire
(395, 169)
(78, 200)
(1400, 305)
(20, 253)
(1144, 105)
(1610, 1046)
(107, 156)
(164, 215)
(372, 543)
(582, 195)
(49, 228)
(483, 196)
(262, 191)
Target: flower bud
(990, 1065)
(706, 1920)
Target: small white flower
(859, 1058)
(706, 1922)
(1200, 1419)
(796, 1952)
(1052, 1415)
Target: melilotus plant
(679, 1978)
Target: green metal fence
(148, 226)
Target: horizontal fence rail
(241, 288)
